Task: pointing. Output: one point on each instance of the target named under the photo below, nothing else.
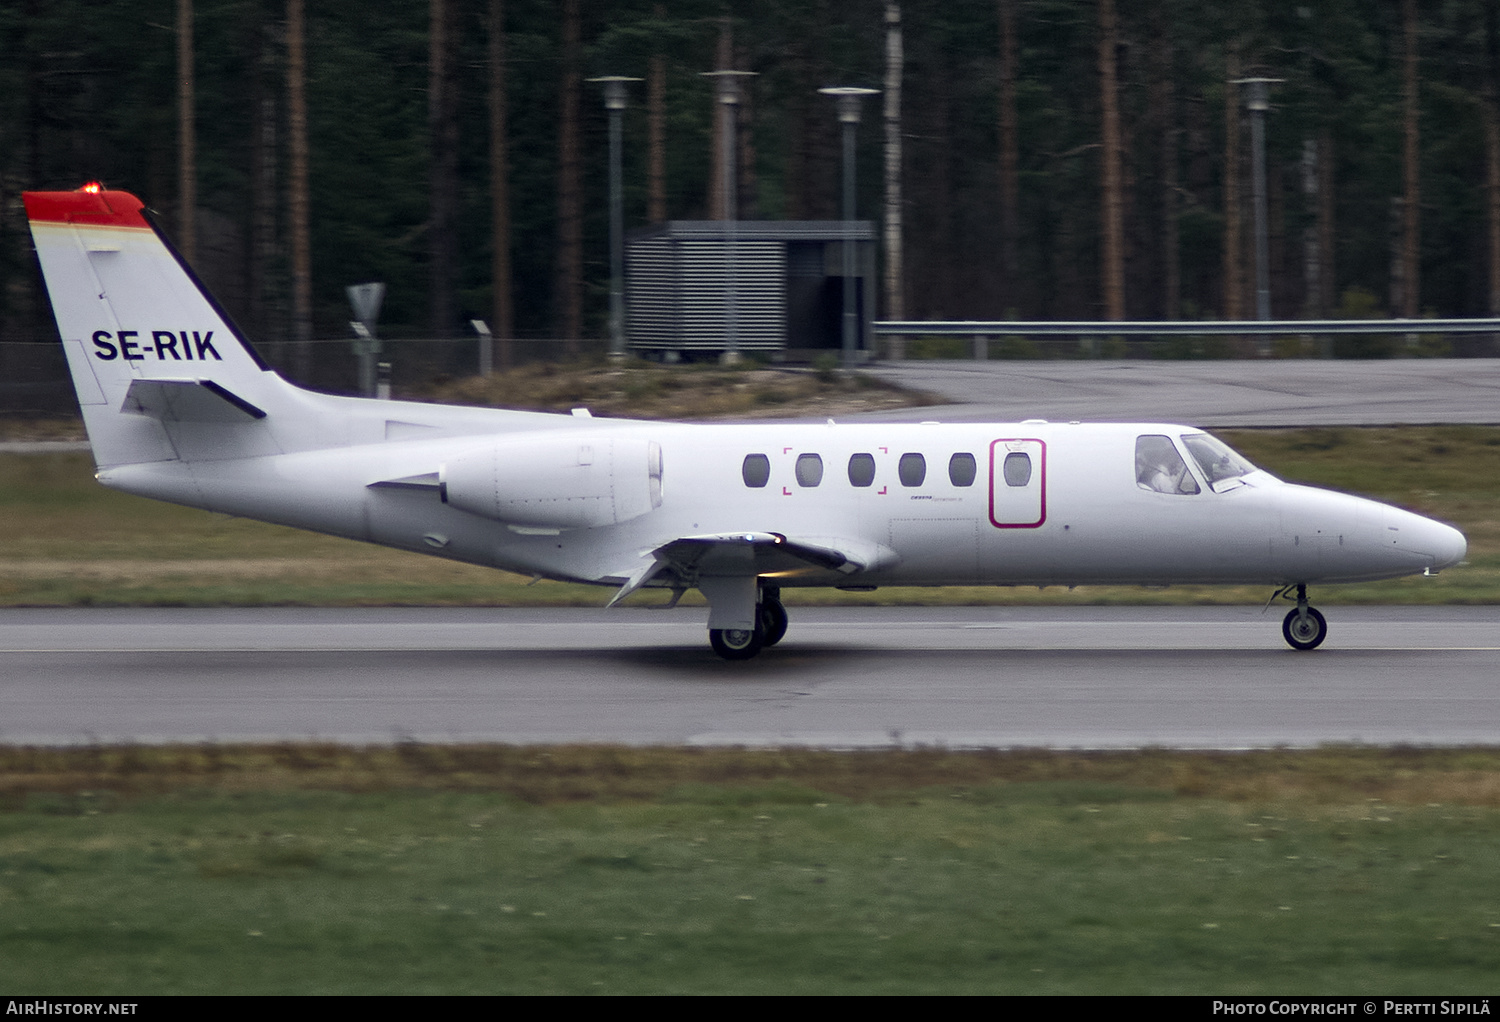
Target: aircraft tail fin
(147, 345)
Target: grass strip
(484, 869)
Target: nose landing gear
(1303, 628)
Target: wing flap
(643, 575)
(765, 554)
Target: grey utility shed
(788, 285)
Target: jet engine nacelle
(559, 483)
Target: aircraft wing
(688, 558)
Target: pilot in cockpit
(1160, 468)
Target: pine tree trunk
(1312, 267)
(940, 267)
(656, 128)
(568, 279)
(1326, 212)
(1010, 188)
(1164, 99)
(264, 204)
(1412, 204)
(1492, 158)
(442, 124)
(503, 316)
(187, 142)
(1111, 183)
(296, 73)
(895, 298)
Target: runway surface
(1193, 677)
(1291, 392)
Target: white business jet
(179, 407)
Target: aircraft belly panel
(1029, 556)
(936, 549)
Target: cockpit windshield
(1216, 459)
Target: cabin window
(912, 469)
(1159, 467)
(756, 470)
(961, 470)
(1016, 468)
(809, 470)
(861, 470)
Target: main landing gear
(1303, 628)
(773, 619)
(770, 628)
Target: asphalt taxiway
(961, 677)
(1215, 394)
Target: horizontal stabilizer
(188, 401)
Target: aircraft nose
(1447, 544)
(1427, 538)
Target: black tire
(735, 643)
(1304, 633)
(773, 621)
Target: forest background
(1048, 159)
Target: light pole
(849, 97)
(728, 94)
(1258, 101)
(614, 102)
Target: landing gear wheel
(1304, 631)
(773, 622)
(735, 643)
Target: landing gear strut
(1303, 628)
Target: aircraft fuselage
(1080, 518)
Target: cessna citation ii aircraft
(179, 407)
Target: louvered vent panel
(759, 271)
(651, 299)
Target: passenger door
(1018, 483)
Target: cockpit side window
(1216, 459)
(1159, 467)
